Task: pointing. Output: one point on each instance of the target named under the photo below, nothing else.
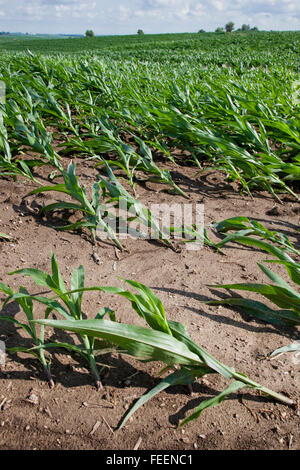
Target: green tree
(89, 33)
(229, 27)
(201, 31)
(140, 32)
(245, 28)
(219, 30)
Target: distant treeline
(7, 33)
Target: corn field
(138, 110)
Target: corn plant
(242, 227)
(10, 164)
(91, 209)
(242, 120)
(280, 292)
(128, 159)
(97, 213)
(70, 310)
(139, 212)
(33, 134)
(38, 349)
(165, 341)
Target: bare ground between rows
(74, 415)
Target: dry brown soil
(74, 415)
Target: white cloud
(75, 10)
(126, 16)
(34, 10)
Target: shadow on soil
(261, 327)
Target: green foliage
(91, 209)
(127, 158)
(226, 102)
(280, 293)
(165, 341)
(213, 99)
(70, 310)
(102, 216)
(38, 349)
(140, 213)
(245, 28)
(89, 33)
(245, 227)
(229, 27)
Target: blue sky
(153, 16)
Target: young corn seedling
(71, 311)
(245, 227)
(146, 164)
(128, 159)
(29, 130)
(96, 214)
(164, 341)
(39, 347)
(280, 293)
(140, 213)
(52, 107)
(9, 164)
(91, 209)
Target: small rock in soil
(273, 211)
(33, 398)
(96, 258)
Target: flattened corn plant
(70, 308)
(97, 211)
(162, 340)
(10, 164)
(237, 115)
(165, 341)
(280, 292)
(127, 159)
(91, 209)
